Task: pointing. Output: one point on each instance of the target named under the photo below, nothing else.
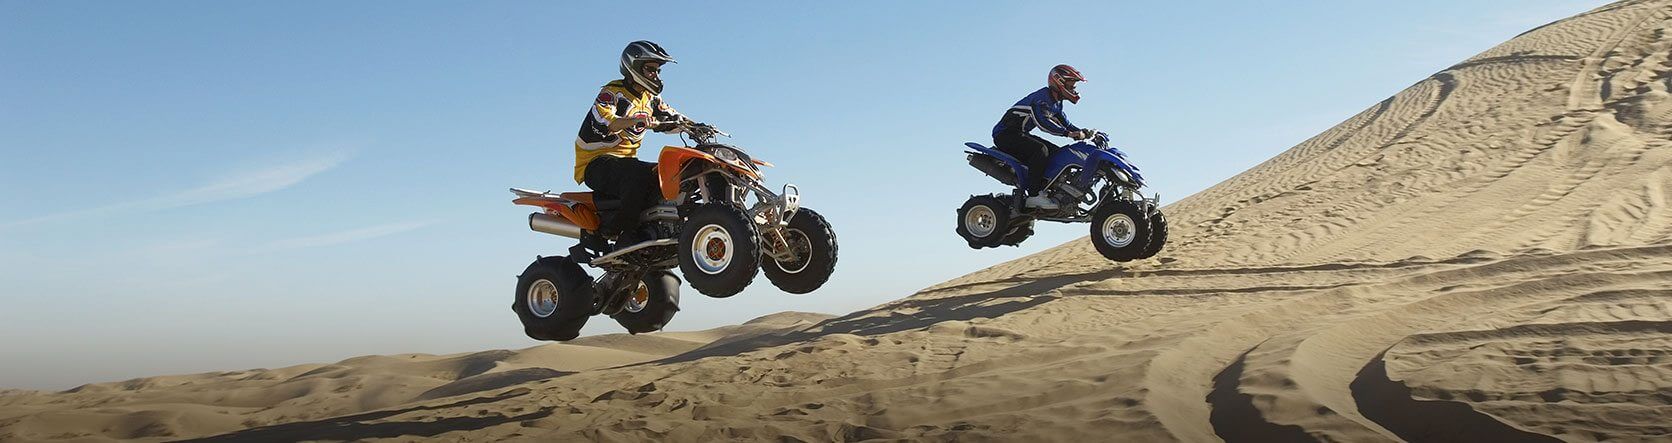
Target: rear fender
(584, 216)
(580, 213)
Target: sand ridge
(171, 407)
(1484, 256)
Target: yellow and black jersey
(614, 101)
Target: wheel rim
(712, 250)
(1119, 230)
(980, 221)
(542, 298)
(638, 299)
(801, 247)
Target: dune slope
(169, 408)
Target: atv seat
(600, 202)
(992, 152)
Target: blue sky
(191, 186)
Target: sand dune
(172, 407)
(1485, 256)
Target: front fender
(1112, 159)
(670, 166)
(671, 162)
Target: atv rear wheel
(1120, 230)
(1020, 229)
(718, 250)
(553, 300)
(650, 304)
(814, 245)
(984, 221)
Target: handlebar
(699, 130)
(1097, 138)
(1100, 139)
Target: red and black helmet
(1062, 81)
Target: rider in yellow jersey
(606, 152)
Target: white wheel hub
(542, 298)
(712, 249)
(1119, 230)
(980, 221)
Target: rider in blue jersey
(1042, 109)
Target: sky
(194, 186)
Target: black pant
(630, 180)
(1033, 151)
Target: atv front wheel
(984, 221)
(1158, 234)
(814, 245)
(553, 300)
(1120, 230)
(718, 251)
(651, 304)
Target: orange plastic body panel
(584, 198)
(744, 171)
(582, 215)
(573, 206)
(673, 160)
(670, 162)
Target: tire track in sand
(1390, 404)
(1577, 115)
(1307, 240)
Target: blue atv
(1124, 224)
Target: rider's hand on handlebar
(1081, 134)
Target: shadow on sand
(352, 427)
(925, 312)
(1390, 404)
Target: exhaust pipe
(993, 168)
(552, 225)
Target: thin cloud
(349, 236)
(233, 187)
(251, 183)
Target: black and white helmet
(632, 64)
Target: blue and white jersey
(1037, 109)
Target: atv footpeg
(583, 253)
(580, 254)
(617, 257)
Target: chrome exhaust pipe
(552, 225)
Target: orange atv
(703, 225)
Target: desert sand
(1484, 256)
